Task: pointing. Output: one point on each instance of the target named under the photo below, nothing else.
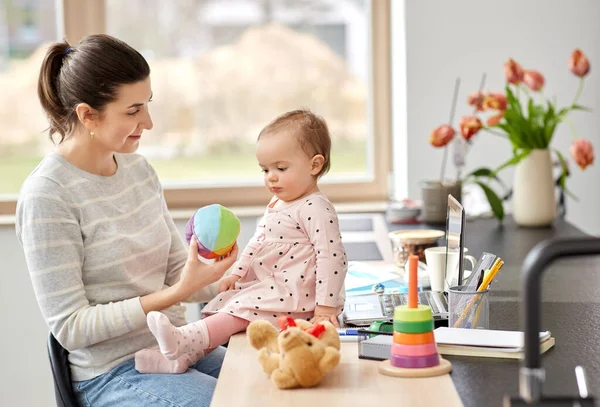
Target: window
(222, 69)
(25, 26)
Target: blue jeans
(123, 386)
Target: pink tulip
(441, 136)
(533, 80)
(469, 126)
(582, 152)
(579, 64)
(513, 72)
(495, 101)
(495, 119)
(476, 99)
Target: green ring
(405, 314)
(413, 327)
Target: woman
(101, 247)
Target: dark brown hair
(309, 129)
(90, 72)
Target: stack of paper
(486, 342)
(464, 342)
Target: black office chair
(61, 372)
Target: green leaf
(572, 195)
(513, 102)
(563, 112)
(494, 200)
(516, 128)
(563, 165)
(563, 175)
(550, 122)
(482, 172)
(514, 160)
(522, 135)
(579, 107)
(535, 115)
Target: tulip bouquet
(524, 117)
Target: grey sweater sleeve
(178, 252)
(48, 228)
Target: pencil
(476, 298)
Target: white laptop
(365, 309)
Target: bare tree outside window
(221, 70)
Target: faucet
(531, 373)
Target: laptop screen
(455, 225)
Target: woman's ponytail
(49, 89)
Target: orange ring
(414, 339)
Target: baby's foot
(152, 361)
(173, 341)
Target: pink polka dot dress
(294, 262)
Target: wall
(446, 39)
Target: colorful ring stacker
(421, 313)
(415, 362)
(414, 350)
(414, 339)
(413, 327)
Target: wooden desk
(570, 310)
(354, 382)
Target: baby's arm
(318, 219)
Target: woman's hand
(228, 283)
(323, 313)
(197, 275)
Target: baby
(295, 264)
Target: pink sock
(174, 342)
(152, 361)
(198, 336)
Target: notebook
(464, 342)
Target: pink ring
(414, 350)
(408, 362)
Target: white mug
(436, 267)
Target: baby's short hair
(309, 129)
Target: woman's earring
(91, 134)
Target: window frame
(83, 17)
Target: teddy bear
(299, 355)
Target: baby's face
(288, 170)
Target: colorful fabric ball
(216, 229)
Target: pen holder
(468, 309)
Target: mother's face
(119, 126)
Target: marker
(347, 331)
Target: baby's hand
(228, 283)
(323, 313)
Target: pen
(477, 298)
(487, 280)
(487, 273)
(494, 271)
(347, 331)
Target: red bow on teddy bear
(315, 330)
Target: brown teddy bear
(298, 356)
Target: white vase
(533, 199)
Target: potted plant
(528, 121)
(435, 193)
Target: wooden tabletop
(353, 382)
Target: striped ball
(216, 228)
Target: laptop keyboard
(390, 301)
